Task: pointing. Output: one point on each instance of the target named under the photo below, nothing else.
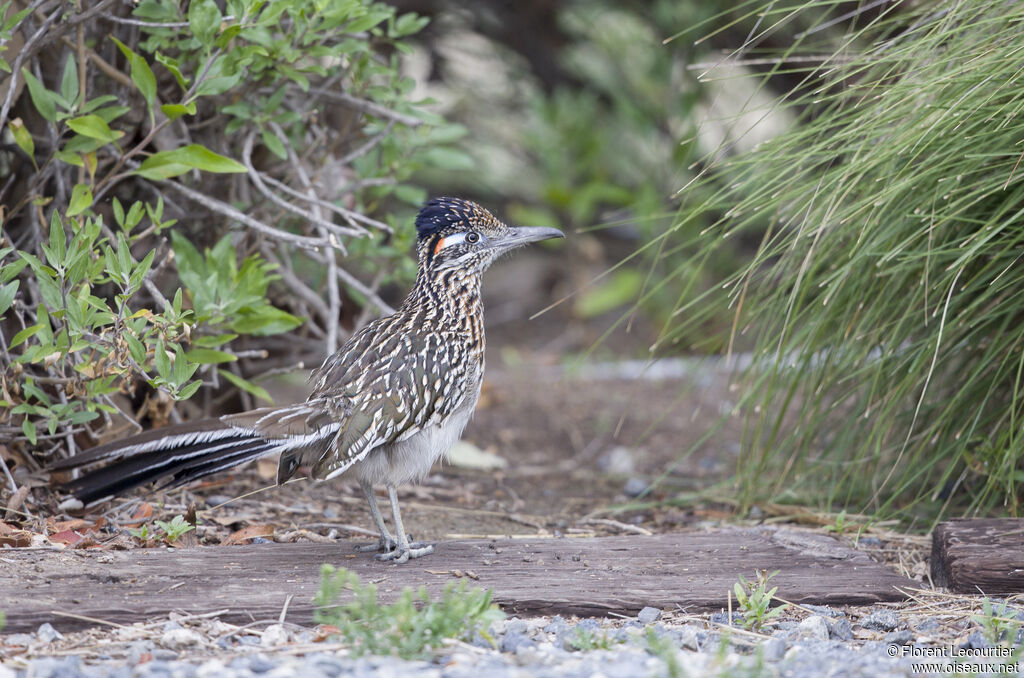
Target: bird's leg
(386, 542)
(404, 550)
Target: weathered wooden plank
(975, 555)
(528, 576)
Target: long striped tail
(183, 453)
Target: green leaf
(81, 200)
(69, 80)
(94, 127)
(29, 429)
(23, 138)
(368, 21)
(266, 320)
(25, 334)
(448, 159)
(204, 19)
(166, 164)
(7, 293)
(619, 289)
(141, 73)
(171, 64)
(175, 111)
(247, 386)
(209, 356)
(42, 98)
(271, 141)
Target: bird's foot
(384, 544)
(400, 555)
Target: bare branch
(227, 210)
(368, 107)
(257, 180)
(24, 53)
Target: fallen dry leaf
(246, 533)
(66, 537)
(14, 537)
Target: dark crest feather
(439, 213)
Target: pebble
(841, 629)
(634, 487)
(904, 637)
(47, 634)
(180, 639)
(274, 635)
(881, 620)
(649, 615)
(773, 650)
(813, 628)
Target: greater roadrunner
(388, 404)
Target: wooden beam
(979, 555)
(528, 576)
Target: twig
(623, 527)
(24, 53)
(229, 211)
(368, 146)
(351, 216)
(295, 284)
(257, 180)
(333, 294)
(370, 295)
(368, 107)
(284, 610)
(94, 620)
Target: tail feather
(182, 454)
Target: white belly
(411, 459)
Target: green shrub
(411, 626)
(885, 300)
(271, 138)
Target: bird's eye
(472, 237)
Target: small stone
(20, 639)
(823, 610)
(634, 487)
(881, 620)
(180, 639)
(47, 634)
(165, 655)
(976, 641)
(649, 615)
(904, 637)
(755, 512)
(274, 635)
(588, 625)
(691, 638)
(813, 628)
(515, 626)
(929, 624)
(511, 642)
(618, 461)
(841, 629)
(773, 649)
(6, 672)
(556, 626)
(872, 542)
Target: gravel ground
(806, 642)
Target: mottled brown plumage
(387, 405)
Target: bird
(387, 405)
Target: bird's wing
(388, 390)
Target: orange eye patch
(439, 246)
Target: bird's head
(459, 234)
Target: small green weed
(587, 639)
(175, 528)
(411, 626)
(997, 623)
(662, 647)
(841, 524)
(755, 600)
(172, 530)
(3, 620)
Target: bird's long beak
(522, 235)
